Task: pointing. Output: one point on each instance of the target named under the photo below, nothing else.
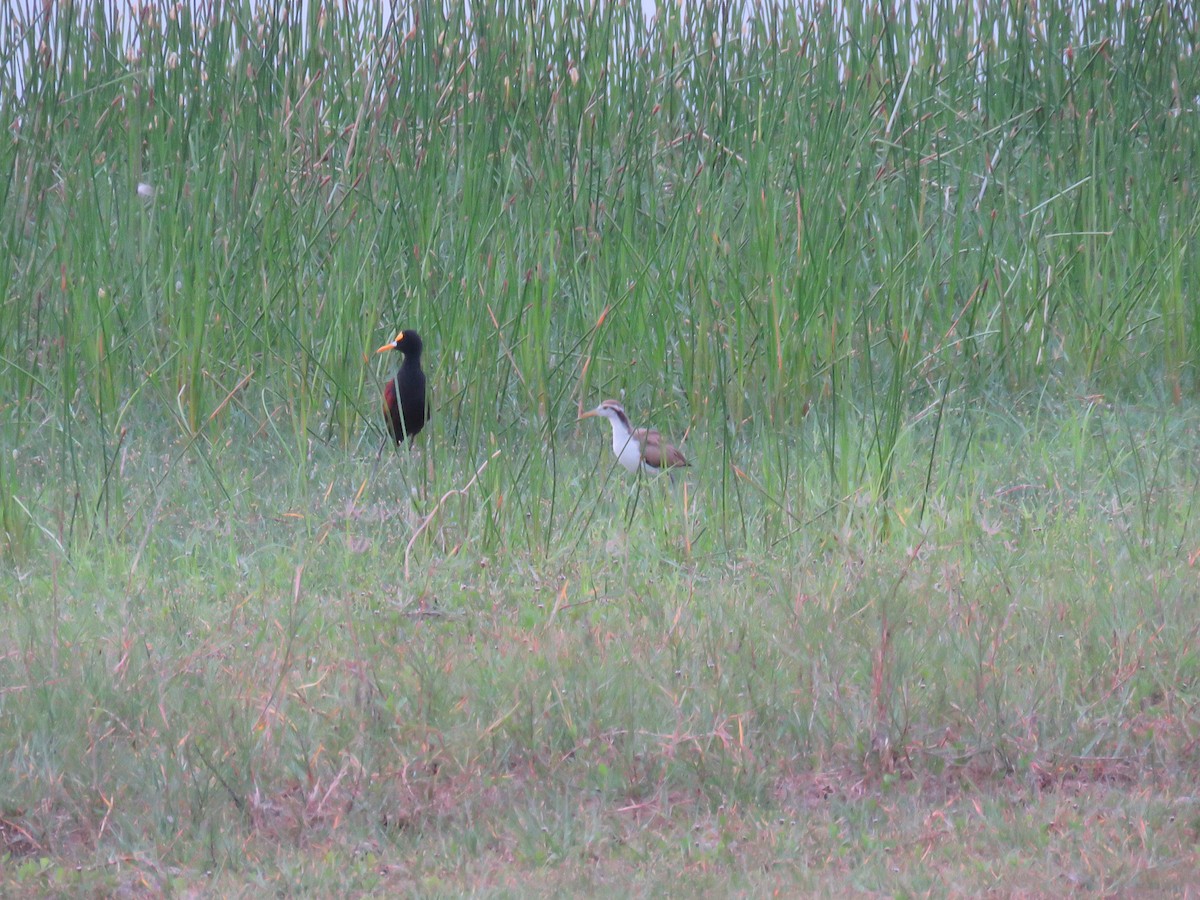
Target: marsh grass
(915, 301)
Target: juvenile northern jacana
(404, 398)
(637, 448)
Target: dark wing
(391, 411)
(657, 454)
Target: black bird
(404, 398)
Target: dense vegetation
(916, 289)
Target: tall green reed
(750, 221)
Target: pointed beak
(587, 415)
(386, 347)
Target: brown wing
(658, 455)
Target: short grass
(922, 617)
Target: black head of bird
(637, 448)
(405, 402)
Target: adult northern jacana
(637, 448)
(404, 399)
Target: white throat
(625, 446)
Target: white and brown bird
(637, 448)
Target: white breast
(626, 448)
